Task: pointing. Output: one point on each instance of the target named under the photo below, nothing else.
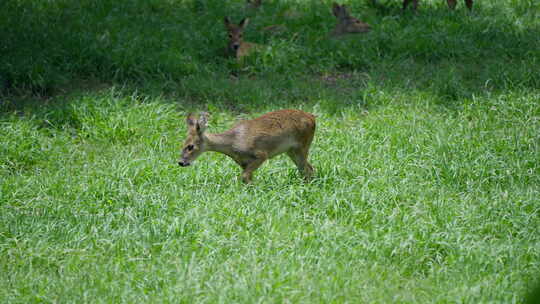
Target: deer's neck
(222, 143)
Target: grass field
(427, 154)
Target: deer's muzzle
(183, 163)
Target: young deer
(451, 4)
(250, 142)
(237, 46)
(346, 23)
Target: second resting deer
(346, 23)
(251, 142)
(451, 4)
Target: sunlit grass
(427, 155)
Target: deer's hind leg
(299, 157)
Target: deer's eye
(230, 35)
(189, 147)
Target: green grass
(427, 155)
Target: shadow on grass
(533, 297)
(164, 49)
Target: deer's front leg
(252, 165)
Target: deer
(346, 23)
(451, 4)
(251, 142)
(237, 46)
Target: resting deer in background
(451, 4)
(237, 46)
(250, 142)
(346, 23)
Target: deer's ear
(227, 22)
(244, 22)
(190, 120)
(202, 123)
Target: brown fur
(346, 23)
(451, 4)
(275, 28)
(237, 46)
(251, 142)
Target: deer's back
(275, 132)
(247, 48)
